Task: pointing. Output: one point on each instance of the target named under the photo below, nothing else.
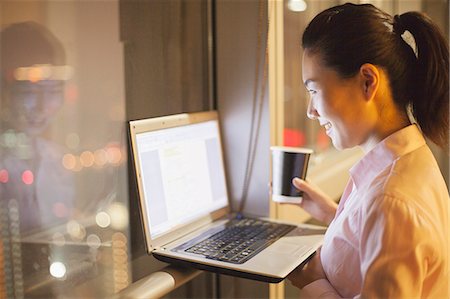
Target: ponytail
(430, 90)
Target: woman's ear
(370, 76)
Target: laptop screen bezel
(159, 123)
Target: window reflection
(32, 93)
(64, 214)
(63, 192)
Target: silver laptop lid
(180, 174)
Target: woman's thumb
(304, 186)
(299, 184)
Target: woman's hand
(313, 271)
(315, 202)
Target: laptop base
(225, 271)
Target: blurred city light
(57, 269)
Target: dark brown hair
(349, 35)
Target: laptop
(183, 199)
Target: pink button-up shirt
(390, 235)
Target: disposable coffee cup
(287, 164)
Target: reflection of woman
(32, 92)
(389, 236)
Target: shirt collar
(385, 153)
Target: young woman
(381, 83)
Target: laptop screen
(182, 174)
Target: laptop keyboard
(240, 240)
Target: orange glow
(28, 177)
(40, 72)
(4, 176)
(78, 167)
(114, 155)
(69, 161)
(293, 137)
(87, 159)
(35, 74)
(120, 261)
(100, 157)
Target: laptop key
(240, 240)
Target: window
(73, 73)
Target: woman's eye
(311, 92)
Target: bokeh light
(119, 216)
(28, 177)
(69, 161)
(103, 219)
(100, 157)
(58, 269)
(120, 261)
(35, 74)
(114, 154)
(76, 230)
(78, 167)
(4, 176)
(72, 140)
(40, 72)
(93, 241)
(87, 159)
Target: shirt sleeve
(395, 250)
(319, 289)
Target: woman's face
(34, 104)
(339, 104)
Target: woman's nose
(311, 112)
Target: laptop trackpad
(287, 247)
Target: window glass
(72, 73)
(64, 202)
(298, 129)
